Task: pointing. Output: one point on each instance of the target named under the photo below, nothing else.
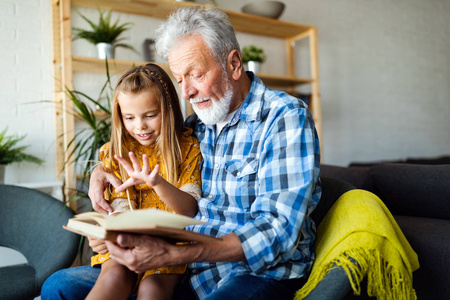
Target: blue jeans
(75, 283)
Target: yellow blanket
(359, 226)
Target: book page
(144, 218)
(92, 217)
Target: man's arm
(140, 253)
(287, 175)
(99, 181)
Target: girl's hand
(137, 174)
(97, 246)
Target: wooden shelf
(162, 8)
(116, 66)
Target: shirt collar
(251, 108)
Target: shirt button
(210, 196)
(238, 173)
(194, 271)
(203, 218)
(216, 166)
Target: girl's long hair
(141, 79)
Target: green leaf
(10, 153)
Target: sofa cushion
(356, 176)
(430, 240)
(413, 190)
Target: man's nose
(187, 90)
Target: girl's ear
(234, 64)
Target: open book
(142, 221)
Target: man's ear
(234, 64)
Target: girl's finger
(124, 163)
(145, 165)
(135, 162)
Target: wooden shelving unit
(94, 65)
(65, 64)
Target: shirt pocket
(240, 168)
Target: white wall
(26, 76)
(384, 74)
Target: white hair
(211, 24)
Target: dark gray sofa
(419, 198)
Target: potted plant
(253, 57)
(10, 153)
(104, 35)
(83, 148)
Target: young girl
(147, 126)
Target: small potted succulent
(104, 35)
(10, 153)
(253, 57)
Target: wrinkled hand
(99, 181)
(137, 174)
(140, 253)
(97, 245)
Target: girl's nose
(142, 125)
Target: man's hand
(98, 183)
(140, 253)
(137, 174)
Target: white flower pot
(105, 50)
(254, 66)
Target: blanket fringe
(383, 281)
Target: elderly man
(260, 176)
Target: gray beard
(218, 110)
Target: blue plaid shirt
(261, 181)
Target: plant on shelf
(10, 152)
(82, 150)
(253, 53)
(253, 57)
(104, 35)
